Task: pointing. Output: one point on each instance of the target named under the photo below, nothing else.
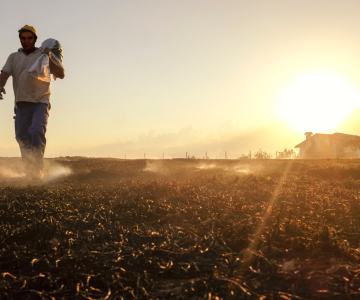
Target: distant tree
(243, 156)
(262, 155)
(288, 154)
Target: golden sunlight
(317, 101)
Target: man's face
(27, 40)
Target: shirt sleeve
(8, 65)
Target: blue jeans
(30, 128)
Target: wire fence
(259, 154)
(208, 155)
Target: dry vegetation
(181, 229)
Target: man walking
(32, 100)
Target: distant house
(336, 145)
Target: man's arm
(3, 79)
(57, 70)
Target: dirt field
(181, 229)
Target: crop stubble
(182, 229)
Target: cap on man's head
(28, 28)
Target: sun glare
(317, 101)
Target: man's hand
(2, 90)
(47, 51)
(55, 69)
(3, 78)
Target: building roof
(338, 138)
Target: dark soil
(181, 229)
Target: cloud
(228, 137)
(147, 137)
(188, 134)
(228, 130)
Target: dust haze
(12, 171)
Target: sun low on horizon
(317, 101)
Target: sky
(166, 76)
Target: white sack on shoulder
(41, 68)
